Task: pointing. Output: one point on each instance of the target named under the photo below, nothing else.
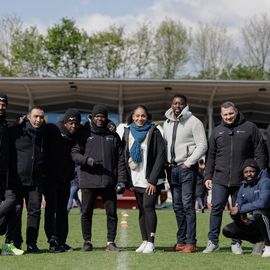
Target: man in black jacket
(232, 142)
(7, 196)
(100, 155)
(60, 168)
(27, 172)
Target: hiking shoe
(189, 248)
(32, 248)
(112, 247)
(141, 247)
(175, 248)
(87, 246)
(258, 248)
(149, 248)
(54, 246)
(66, 247)
(237, 249)
(10, 249)
(266, 252)
(211, 247)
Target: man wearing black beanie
(251, 212)
(60, 168)
(7, 196)
(100, 155)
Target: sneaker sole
(206, 252)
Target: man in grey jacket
(186, 144)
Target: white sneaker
(10, 249)
(237, 249)
(211, 247)
(141, 247)
(258, 248)
(266, 252)
(149, 248)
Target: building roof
(57, 94)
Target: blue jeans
(220, 195)
(74, 196)
(183, 183)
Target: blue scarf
(139, 134)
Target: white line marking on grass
(122, 257)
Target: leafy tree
(63, 50)
(242, 72)
(27, 52)
(171, 49)
(106, 49)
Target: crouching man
(251, 213)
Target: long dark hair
(129, 118)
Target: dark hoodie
(229, 147)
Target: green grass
(130, 239)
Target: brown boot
(189, 248)
(175, 248)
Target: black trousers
(147, 212)
(7, 205)
(109, 198)
(256, 230)
(56, 214)
(33, 197)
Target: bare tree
(212, 50)
(9, 25)
(256, 37)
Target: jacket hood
(185, 114)
(262, 173)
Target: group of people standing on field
(39, 158)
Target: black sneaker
(112, 247)
(32, 248)
(66, 247)
(54, 246)
(87, 246)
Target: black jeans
(33, 198)
(147, 212)
(109, 198)
(56, 214)
(256, 231)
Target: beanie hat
(99, 108)
(4, 98)
(251, 163)
(72, 115)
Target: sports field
(129, 238)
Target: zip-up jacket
(4, 146)
(107, 150)
(156, 155)
(27, 156)
(229, 147)
(255, 196)
(185, 138)
(268, 142)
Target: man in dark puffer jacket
(60, 171)
(100, 155)
(27, 172)
(231, 143)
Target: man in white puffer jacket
(186, 144)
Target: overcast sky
(95, 15)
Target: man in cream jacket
(186, 144)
